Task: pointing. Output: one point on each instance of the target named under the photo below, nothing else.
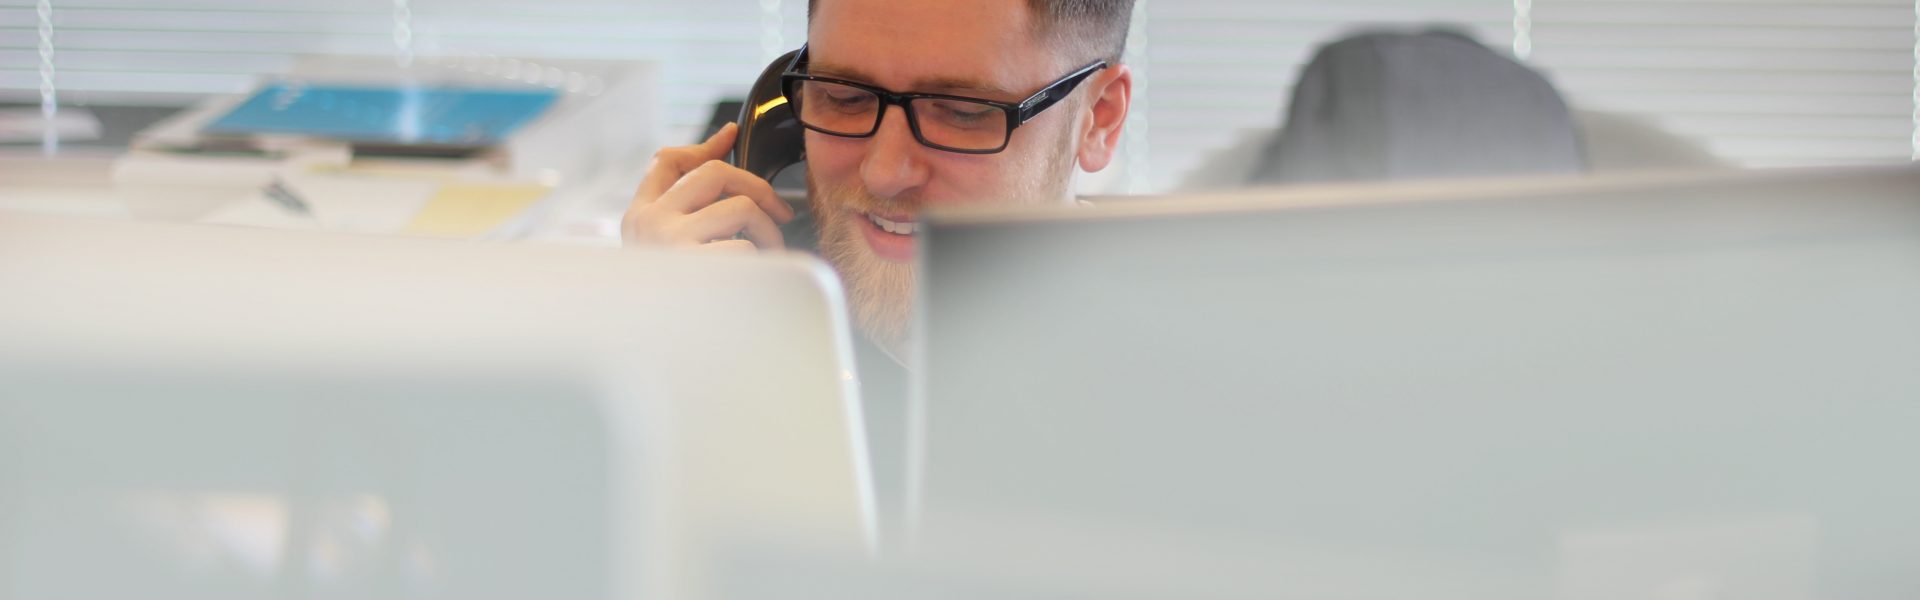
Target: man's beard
(880, 293)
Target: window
(1757, 82)
(168, 51)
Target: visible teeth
(893, 227)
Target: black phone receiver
(771, 140)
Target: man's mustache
(826, 196)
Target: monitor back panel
(1589, 390)
(198, 412)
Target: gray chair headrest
(1385, 106)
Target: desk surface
(82, 182)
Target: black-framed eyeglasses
(951, 123)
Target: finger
(729, 246)
(721, 142)
(633, 226)
(732, 216)
(715, 180)
(670, 164)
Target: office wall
(1756, 82)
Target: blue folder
(404, 116)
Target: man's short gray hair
(1087, 29)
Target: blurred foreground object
(199, 412)
(1671, 386)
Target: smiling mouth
(903, 227)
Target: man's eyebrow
(933, 85)
(942, 85)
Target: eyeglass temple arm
(1053, 94)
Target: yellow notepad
(463, 210)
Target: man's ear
(1108, 100)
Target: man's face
(862, 187)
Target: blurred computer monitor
(196, 412)
(1664, 386)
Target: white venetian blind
(1757, 82)
(167, 51)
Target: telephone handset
(771, 140)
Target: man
(868, 183)
(870, 171)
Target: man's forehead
(938, 46)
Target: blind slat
(176, 50)
(1759, 82)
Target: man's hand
(692, 197)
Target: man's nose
(895, 161)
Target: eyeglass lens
(847, 110)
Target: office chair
(1388, 105)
